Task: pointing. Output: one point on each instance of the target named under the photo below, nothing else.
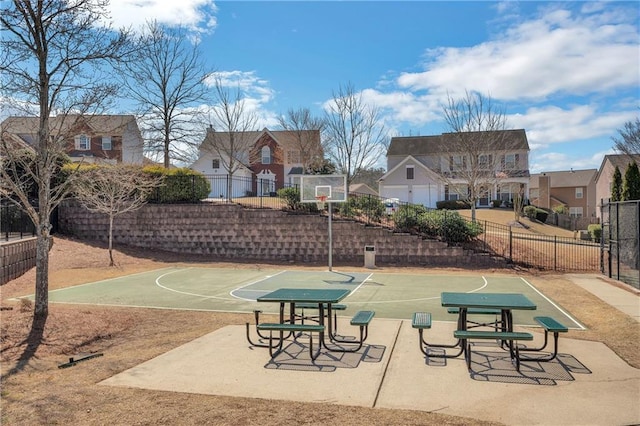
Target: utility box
(369, 256)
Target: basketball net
(320, 201)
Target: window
(484, 161)
(575, 211)
(456, 162)
(215, 163)
(579, 192)
(83, 143)
(106, 143)
(510, 161)
(453, 192)
(409, 172)
(266, 155)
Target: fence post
(555, 252)
(510, 245)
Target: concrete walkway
(587, 385)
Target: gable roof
(287, 139)
(362, 188)
(433, 175)
(620, 160)
(27, 127)
(436, 144)
(565, 178)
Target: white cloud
(552, 124)
(551, 161)
(558, 53)
(197, 15)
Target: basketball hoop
(320, 201)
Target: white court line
(185, 292)
(95, 282)
(151, 307)
(575, 321)
(252, 283)
(415, 300)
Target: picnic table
(505, 302)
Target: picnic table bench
(510, 336)
(550, 325)
(361, 319)
(291, 328)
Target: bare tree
(54, 60)
(114, 190)
(628, 141)
(475, 146)
(301, 122)
(354, 137)
(166, 79)
(234, 130)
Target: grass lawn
(505, 216)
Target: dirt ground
(36, 391)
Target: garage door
(427, 195)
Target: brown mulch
(36, 391)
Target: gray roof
(565, 178)
(621, 160)
(27, 127)
(436, 144)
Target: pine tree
(616, 185)
(631, 185)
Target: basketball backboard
(315, 187)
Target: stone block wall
(228, 232)
(16, 258)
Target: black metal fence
(620, 257)
(14, 222)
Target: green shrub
(596, 231)
(291, 196)
(178, 185)
(449, 225)
(496, 203)
(561, 209)
(407, 217)
(453, 205)
(368, 206)
(541, 215)
(530, 212)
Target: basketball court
(390, 295)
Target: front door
(483, 197)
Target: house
(575, 189)
(424, 170)
(91, 138)
(266, 159)
(361, 189)
(604, 176)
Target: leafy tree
(631, 184)
(369, 176)
(54, 59)
(113, 191)
(616, 185)
(628, 140)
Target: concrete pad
(223, 363)
(625, 299)
(588, 384)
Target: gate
(620, 243)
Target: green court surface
(390, 295)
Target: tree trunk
(111, 262)
(43, 243)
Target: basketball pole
(330, 239)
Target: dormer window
(266, 155)
(83, 143)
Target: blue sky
(566, 72)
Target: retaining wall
(16, 258)
(227, 232)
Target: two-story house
(265, 160)
(91, 138)
(575, 189)
(604, 177)
(425, 169)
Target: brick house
(421, 168)
(267, 159)
(604, 176)
(96, 138)
(575, 189)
